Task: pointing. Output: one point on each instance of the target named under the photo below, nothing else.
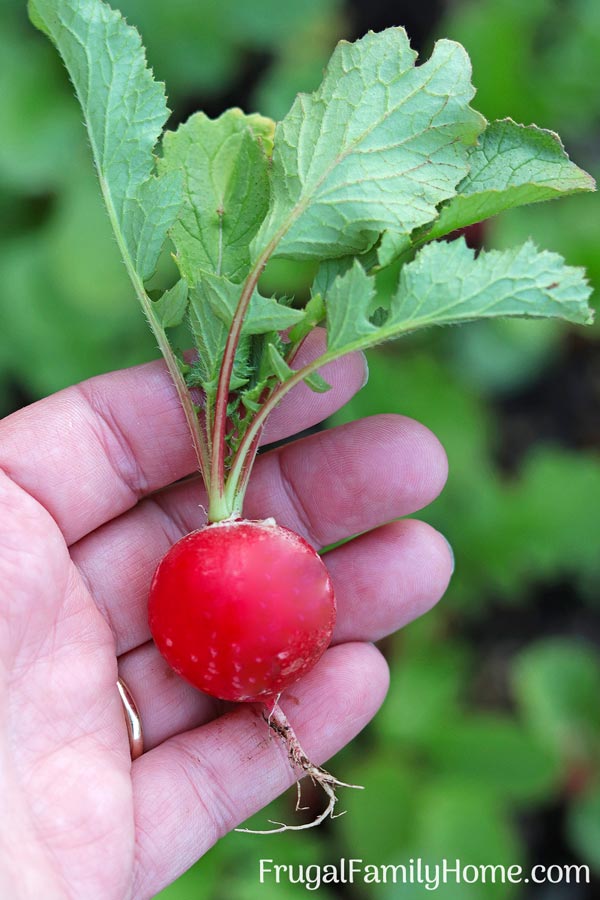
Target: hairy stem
(257, 424)
(222, 506)
(198, 439)
(189, 409)
(241, 485)
(224, 500)
(236, 480)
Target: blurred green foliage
(493, 716)
(539, 62)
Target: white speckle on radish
(297, 664)
(169, 642)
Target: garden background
(488, 745)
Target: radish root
(278, 723)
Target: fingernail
(451, 552)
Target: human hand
(86, 514)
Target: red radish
(242, 609)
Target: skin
(85, 515)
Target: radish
(368, 172)
(242, 609)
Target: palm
(65, 745)
(81, 532)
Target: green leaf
(456, 820)
(379, 822)
(213, 302)
(226, 190)
(210, 336)
(263, 129)
(512, 165)
(317, 383)
(583, 826)
(377, 147)
(283, 372)
(497, 754)
(557, 684)
(348, 304)
(314, 313)
(125, 110)
(280, 367)
(435, 683)
(327, 273)
(170, 309)
(390, 248)
(264, 313)
(447, 284)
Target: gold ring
(132, 719)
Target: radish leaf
(447, 284)
(226, 190)
(348, 305)
(512, 165)
(264, 313)
(384, 157)
(170, 309)
(283, 371)
(377, 147)
(212, 305)
(125, 110)
(314, 313)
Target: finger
(325, 487)
(387, 578)
(90, 452)
(383, 580)
(207, 781)
(349, 479)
